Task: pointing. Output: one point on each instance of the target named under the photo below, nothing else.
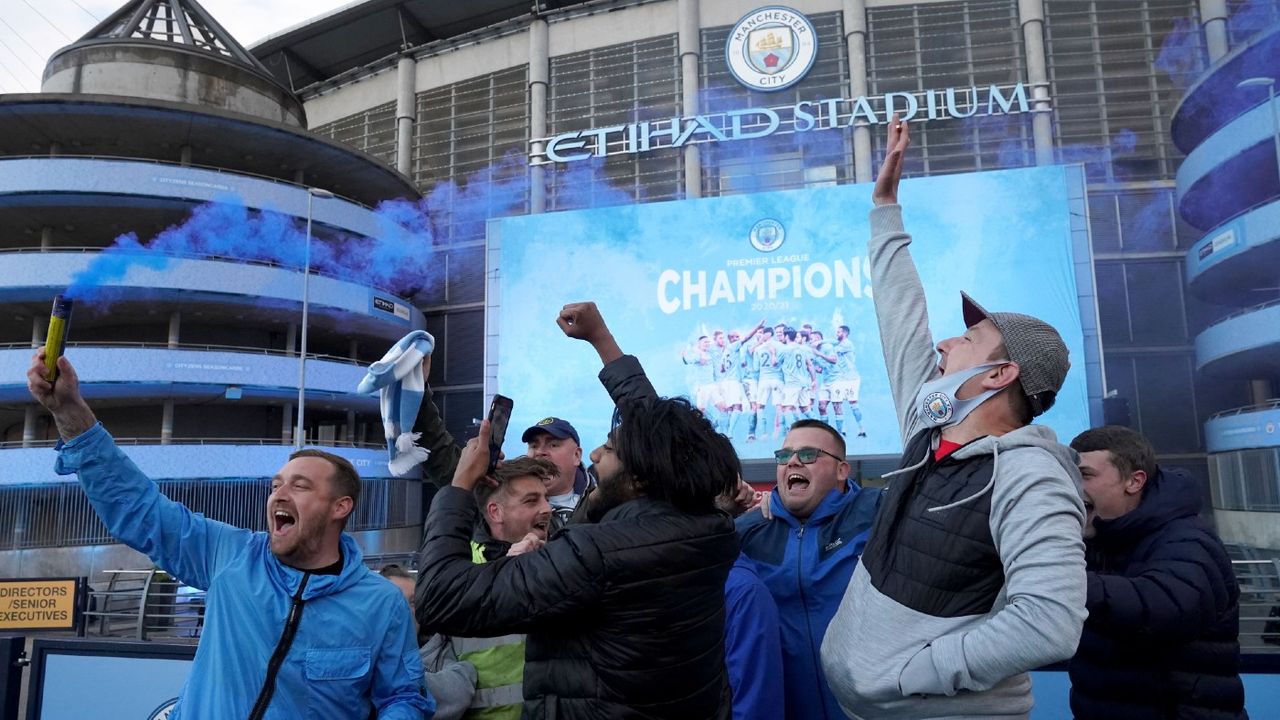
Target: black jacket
(1161, 637)
(625, 617)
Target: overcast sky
(32, 30)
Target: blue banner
(684, 285)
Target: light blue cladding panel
(27, 466)
(1252, 330)
(125, 178)
(1258, 227)
(1198, 180)
(1258, 429)
(143, 367)
(27, 275)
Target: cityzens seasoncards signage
(772, 49)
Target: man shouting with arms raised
(974, 571)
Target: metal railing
(1259, 604)
(204, 256)
(10, 444)
(181, 165)
(243, 349)
(148, 604)
(59, 515)
(1245, 311)
(1267, 405)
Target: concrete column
(37, 331)
(291, 339)
(855, 37)
(349, 430)
(1031, 15)
(299, 177)
(286, 425)
(353, 350)
(1213, 18)
(46, 238)
(166, 423)
(55, 149)
(185, 155)
(690, 53)
(406, 112)
(29, 426)
(539, 76)
(1260, 391)
(175, 326)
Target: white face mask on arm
(937, 402)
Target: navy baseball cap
(553, 426)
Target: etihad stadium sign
(801, 117)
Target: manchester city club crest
(164, 711)
(771, 48)
(767, 235)
(938, 407)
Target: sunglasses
(806, 455)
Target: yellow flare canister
(59, 322)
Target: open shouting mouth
(795, 482)
(282, 521)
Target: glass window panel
(1167, 413)
(1155, 302)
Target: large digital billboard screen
(685, 285)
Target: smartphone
(499, 416)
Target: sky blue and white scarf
(399, 379)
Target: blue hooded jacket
(807, 566)
(752, 645)
(354, 649)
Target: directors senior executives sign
(43, 604)
(804, 116)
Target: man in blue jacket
(804, 542)
(295, 624)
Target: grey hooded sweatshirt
(974, 573)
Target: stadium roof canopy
(370, 30)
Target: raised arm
(185, 544)
(623, 376)
(909, 354)
(439, 466)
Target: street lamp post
(312, 194)
(1270, 84)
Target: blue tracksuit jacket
(752, 645)
(807, 567)
(354, 650)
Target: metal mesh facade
(615, 85)
(1117, 71)
(962, 45)
(372, 131)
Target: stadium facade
(513, 104)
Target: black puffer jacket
(1161, 637)
(625, 617)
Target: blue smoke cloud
(398, 258)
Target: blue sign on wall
(678, 281)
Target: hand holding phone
(499, 417)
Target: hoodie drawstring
(995, 468)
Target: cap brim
(531, 432)
(973, 312)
